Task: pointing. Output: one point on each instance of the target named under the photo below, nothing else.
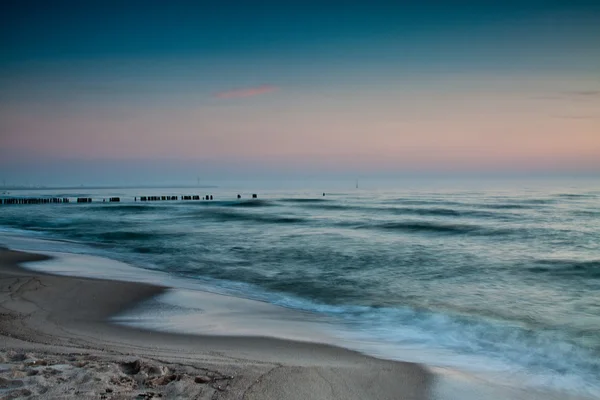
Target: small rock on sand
(202, 379)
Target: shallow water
(504, 281)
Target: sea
(499, 280)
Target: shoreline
(65, 319)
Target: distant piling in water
(254, 196)
(57, 200)
(40, 200)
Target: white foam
(194, 307)
(189, 307)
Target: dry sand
(57, 343)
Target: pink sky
(457, 127)
(246, 92)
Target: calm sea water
(508, 276)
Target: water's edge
(176, 311)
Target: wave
(506, 206)
(435, 212)
(535, 201)
(525, 204)
(426, 227)
(423, 202)
(302, 200)
(576, 268)
(577, 195)
(318, 205)
(137, 208)
(587, 213)
(545, 357)
(428, 211)
(128, 235)
(251, 203)
(231, 203)
(224, 215)
(31, 223)
(449, 212)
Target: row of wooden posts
(110, 200)
(194, 197)
(35, 201)
(168, 198)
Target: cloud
(585, 93)
(574, 116)
(246, 92)
(573, 95)
(581, 95)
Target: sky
(115, 92)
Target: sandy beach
(57, 343)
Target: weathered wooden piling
(59, 200)
(33, 200)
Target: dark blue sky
(47, 30)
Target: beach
(487, 292)
(58, 342)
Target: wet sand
(59, 343)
